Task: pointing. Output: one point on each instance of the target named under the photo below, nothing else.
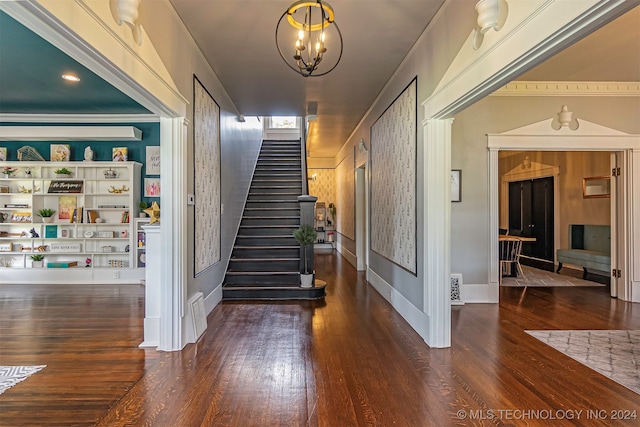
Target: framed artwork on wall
(152, 166)
(152, 187)
(206, 146)
(60, 152)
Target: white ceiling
(238, 39)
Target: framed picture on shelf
(3, 154)
(152, 187)
(60, 152)
(50, 231)
(66, 206)
(120, 154)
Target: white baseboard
(481, 293)
(417, 319)
(350, 256)
(213, 299)
(635, 291)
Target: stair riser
(274, 212)
(293, 191)
(276, 169)
(253, 197)
(293, 222)
(272, 279)
(266, 240)
(275, 177)
(265, 253)
(274, 294)
(277, 204)
(264, 265)
(261, 232)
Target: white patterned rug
(12, 375)
(614, 354)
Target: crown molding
(554, 88)
(78, 118)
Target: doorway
(362, 218)
(531, 214)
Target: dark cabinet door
(531, 215)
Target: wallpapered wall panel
(206, 141)
(345, 196)
(324, 187)
(393, 181)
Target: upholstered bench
(590, 248)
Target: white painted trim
(79, 118)
(534, 31)
(553, 88)
(418, 320)
(70, 133)
(213, 299)
(347, 254)
(437, 230)
(481, 293)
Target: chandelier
(308, 54)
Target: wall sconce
(313, 177)
(126, 11)
(491, 14)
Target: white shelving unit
(141, 242)
(104, 251)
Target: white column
(152, 295)
(633, 192)
(174, 231)
(494, 279)
(437, 230)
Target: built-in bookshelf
(90, 238)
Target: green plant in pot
(37, 260)
(143, 205)
(46, 214)
(63, 172)
(306, 236)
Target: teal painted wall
(101, 149)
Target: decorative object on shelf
(25, 190)
(120, 154)
(3, 154)
(34, 233)
(46, 214)
(29, 154)
(27, 172)
(51, 231)
(110, 174)
(310, 49)
(60, 152)
(4, 217)
(88, 154)
(332, 211)
(65, 187)
(37, 261)
(143, 205)
(8, 171)
(4, 188)
(87, 262)
(306, 236)
(88, 234)
(6, 262)
(63, 173)
(154, 213)
(120, 190)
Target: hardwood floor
(347, 361)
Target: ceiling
(244, 56)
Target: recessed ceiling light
(71, 77)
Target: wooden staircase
(265, 262)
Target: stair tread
(261, 273)
(272, 247)
(272, 217)
(244, 259)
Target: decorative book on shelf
(62, 264)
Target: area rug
(614, 354)
(12, 375)
(536, 278)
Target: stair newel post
(307, 216)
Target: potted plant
(143, 205)
(37, 261)
(63, 173)
(46, 214)
(306, 236)
(8, 171)
(332, 211)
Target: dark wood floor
(348, 361)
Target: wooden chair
(510, 249)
